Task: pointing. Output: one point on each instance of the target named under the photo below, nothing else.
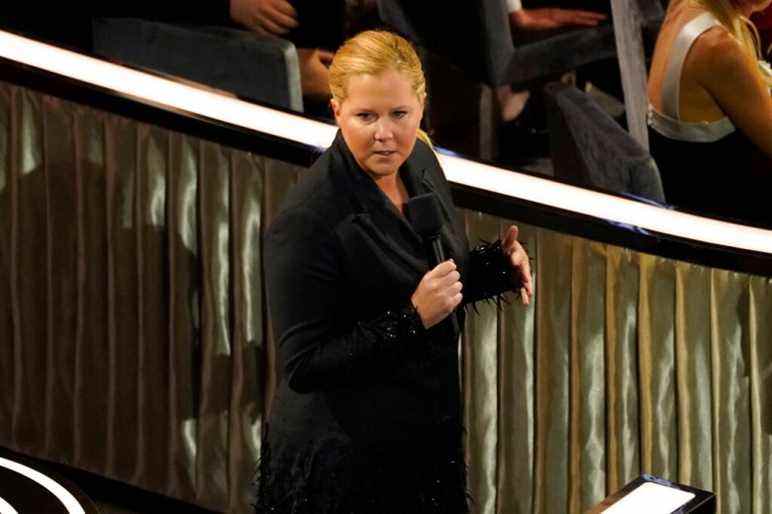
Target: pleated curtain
(134, 342)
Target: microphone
(425, 214)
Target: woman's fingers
(449, 279)
(520, 262)
(526, 279)
(510, 237)
(443, 268)
(438, 293)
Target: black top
(729, 178)
(367, 414)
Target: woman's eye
(365, 116)
(400, 114)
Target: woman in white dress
(710, 114)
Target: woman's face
(379, 120)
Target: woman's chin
(380, 170)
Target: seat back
(589, 148)
(261, 69)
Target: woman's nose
(383, 129)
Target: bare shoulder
(716, 54)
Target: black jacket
(359, 374)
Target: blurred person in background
(710, 114)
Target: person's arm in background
(549, 17)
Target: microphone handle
(438, 253)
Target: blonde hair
(371, 53)
(738, 25)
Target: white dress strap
(668, 122)
(671, 85)
(694, 132)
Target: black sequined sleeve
(490, 274)
(303, 276)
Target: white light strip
(145, 86)
(165, 92)
(612, 208)
(5, 508)
(63, 495)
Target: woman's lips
(385, 153)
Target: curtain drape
(134, 344)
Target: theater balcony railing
(134, 342)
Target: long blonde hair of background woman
(371, 53)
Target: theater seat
(237, 61)
(589, 148)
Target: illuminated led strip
(161, 91)
(145, 86)
(63, 495)
(606, 206)
(5, 508)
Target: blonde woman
(710, 109)
(367, 415)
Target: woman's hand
(438, 293)
(519, 261)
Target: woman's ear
(335, 106)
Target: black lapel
(388, 243)
(370, 203)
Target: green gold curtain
(133, 340)
(625, 363)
